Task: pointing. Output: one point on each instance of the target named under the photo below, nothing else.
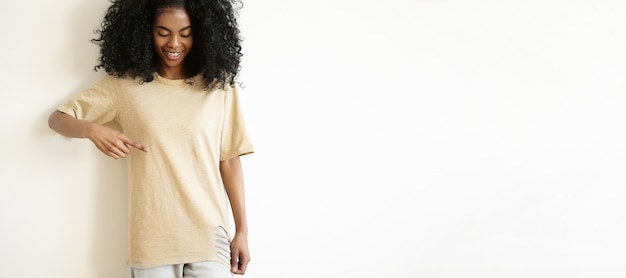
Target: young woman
(170, 85)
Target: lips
(173, 55)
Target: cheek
(188, 42)
(158, 42)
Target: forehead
(175, 18)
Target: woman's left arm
(232, 176)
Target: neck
(171, 73)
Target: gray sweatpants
(206, 269)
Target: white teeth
(173, 54)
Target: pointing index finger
(137, 146)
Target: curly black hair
(127, 48)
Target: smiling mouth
(173, 55)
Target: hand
(239, 254)
(112, 142)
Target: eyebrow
(162, 27)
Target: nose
(174, 41)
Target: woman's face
(171, 32)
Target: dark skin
(173, 39)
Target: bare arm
(109, 141)
(69, 126)
(232, 175)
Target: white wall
(398, 139)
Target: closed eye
(185, 32)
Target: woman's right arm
(69, 126)
(109, 141)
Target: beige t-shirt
(178, 207)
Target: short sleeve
(235, 140)
(97, 104)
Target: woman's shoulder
(111, 84)
(111, 79)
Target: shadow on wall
(109, 246)
(108, 213)
(110, 220)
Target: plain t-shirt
(178, 207)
